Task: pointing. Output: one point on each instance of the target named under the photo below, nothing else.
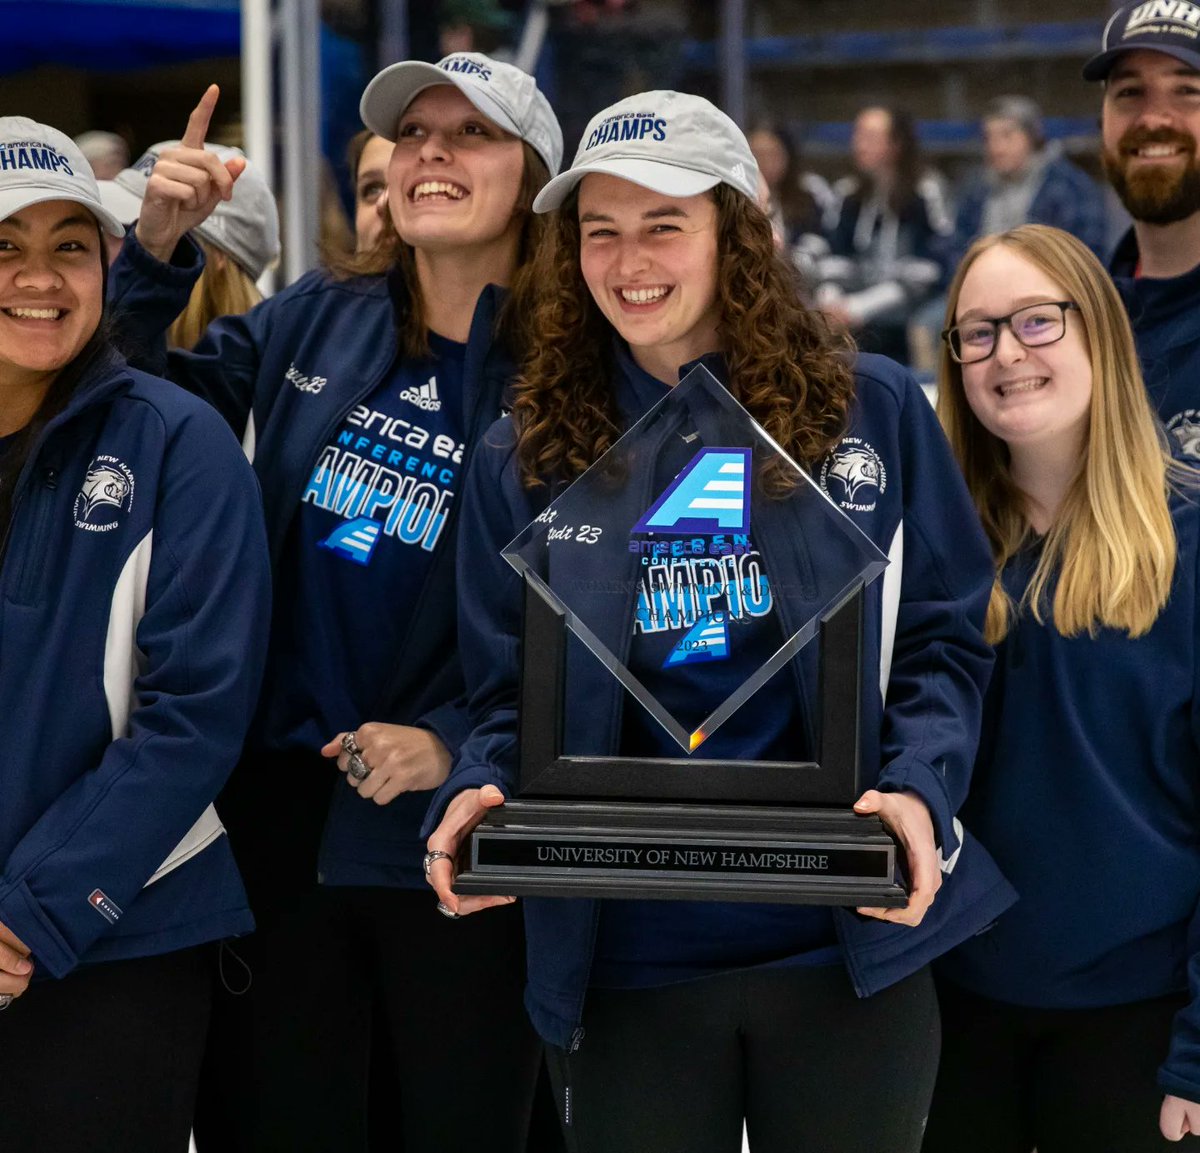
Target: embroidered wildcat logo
(107, 492)
(857, 470)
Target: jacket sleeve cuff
(1186, 1087)
(915, 776)
(20, 913)
(186, 264)
(449, 723)
(468, 777)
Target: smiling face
(51, 293)
(370, 184)
(1028, 397)
(454, 176)
(1150, 125)
(650, 263)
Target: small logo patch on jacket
(109, 910)
(853, 476)
(106, 493)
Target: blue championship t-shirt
(702, 627)
(358, 551)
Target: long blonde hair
(1111, 549)
(224, 289)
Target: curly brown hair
(786, 365)
(390, 252)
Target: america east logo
(700, 572)
(627, 126)
(106, 493)
(33, 154)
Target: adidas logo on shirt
(425, 397)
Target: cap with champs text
(38, 163)
(1170, 26)
(506, 95)
(670, 142)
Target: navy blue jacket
(284, 376)
(1068, 198)
(1087, 792)
(923, 638)
(132, 628)
(1165, 315)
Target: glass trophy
(694, 571)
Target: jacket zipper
(35, 546)
(568, 1114)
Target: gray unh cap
(670, 142)
(504, 94)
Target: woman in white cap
(134, 582)
(670, 1024)
(362, 397)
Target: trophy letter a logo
(708, 496)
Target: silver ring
(357, 769)
(435, 855)
(350, 744)
(446, 911)
(6, 999)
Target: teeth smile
(34, 313)
(429, 188)
(1158, 151)
(644, 295)
(1016, 386)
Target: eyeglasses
(1033, 326)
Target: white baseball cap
(245, 228)
(38, 163)
(670, 142)
(507, 96)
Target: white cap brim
(395, 88)
(669, 179)
(124, 205)
(13, 200)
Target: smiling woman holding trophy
(659, 274)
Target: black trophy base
(682, 852)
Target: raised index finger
(197, 127)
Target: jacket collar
(1162, 311)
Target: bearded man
(1150, 66)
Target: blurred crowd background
(889, 134)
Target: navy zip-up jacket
(923, 640)
(1165, 315)
(1087, 791)
(284, 376)
(135, 593)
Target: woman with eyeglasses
(1072, 1024)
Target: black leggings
(807, 1064)
(1063, 1080)
(367, 1002)
(105, 1059)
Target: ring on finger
(350, 744)
(446, 911)
(6, 999)
(357, 769)
(434, 855)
